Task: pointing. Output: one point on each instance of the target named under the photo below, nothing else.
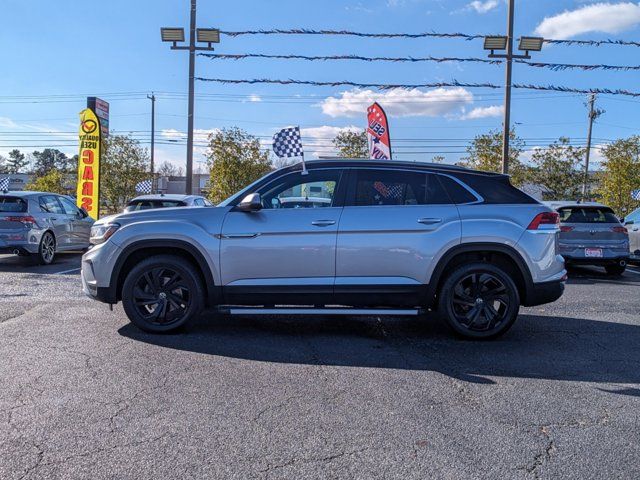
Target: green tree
(621, 174)
(352, 144)
(438, 159)
(16, 162)
(485, 154)
(235, 160)
(54, 181)
(124, 164)
(47, 160)
(3, 165)
(559, 170)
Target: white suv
(390, 238)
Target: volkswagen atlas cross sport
(392, 238)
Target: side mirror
(82, 213)
(250, 203)
(628, 222)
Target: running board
(321, 311)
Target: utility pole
(593, 114)
(203, 35)
(152, 97)
(506, 132)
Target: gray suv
(41, 224)
(391, 238)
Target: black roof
(351, 162)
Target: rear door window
(587, 215)
(389, 187)
(13, 204)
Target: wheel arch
(137, 251)
(501, 255)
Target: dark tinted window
(587, 215)
(388, 187)
(50, 204)
(12, 204)
(457, 192)
(495, 189)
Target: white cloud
(255, 98)
(318, 140)
(199, 134)
(399, 102)
(484, 112)
(599, 17)
(483, 7)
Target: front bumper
(97, 266)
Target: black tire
(479, 301)
(615, 270)
(152, 304)
(47, 249)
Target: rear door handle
(323, 223)
(429, 221)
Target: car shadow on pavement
(558, 348)
(63, 262)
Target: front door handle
(241, 235)
(323, 223)
(429, 221)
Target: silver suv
(392, 238)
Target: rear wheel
(479, 301)
(162, 293)
(47, 249)
(616, 270)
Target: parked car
(591, 234)
(396, 238)
(148, 202)
(632, 223)
(41, 224)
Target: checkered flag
(4, 184)
(288, 143)
(144, 186)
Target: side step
(321, 311)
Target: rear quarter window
(456, 192)
(13, 204)
(495, 189)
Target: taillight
(27, 221)
(619, 230)
(566, 229)
(545, 221)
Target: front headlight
(101, 233)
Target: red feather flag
(378, 133)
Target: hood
(176, 213)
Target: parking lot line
(67, 271)
(633, 271)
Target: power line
(391, 86)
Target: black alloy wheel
(162, 293)
(479, 301)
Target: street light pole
(152, 97)
(506, 133)
(593, 114)
(175, 35)
(192, 68)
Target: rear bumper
(546, 292)
(619, 260)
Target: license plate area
(593, 252)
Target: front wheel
(479, 301)
(162, 293)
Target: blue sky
(56, 53)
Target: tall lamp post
(527, 44)
(201, 35)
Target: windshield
(12, 204)
(587, 215)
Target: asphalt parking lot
(86, 395)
